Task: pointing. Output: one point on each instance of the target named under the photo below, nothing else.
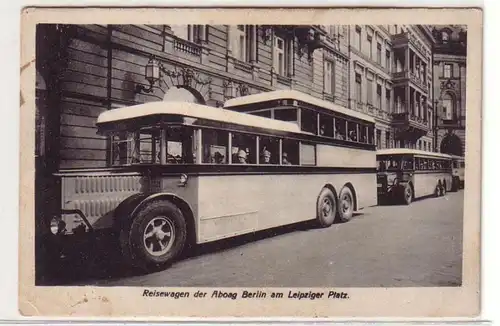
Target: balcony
(399, 40)
(400, 76)
(412, 127)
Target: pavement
(384, 246)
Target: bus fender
(183, 206)
(123, 212)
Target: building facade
(450, 73)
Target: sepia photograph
(170, 158)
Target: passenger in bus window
(352, 136)
(285, 160)
(381, 166)
(219, 158)
(242, 157)
(322, 130)
(266, 156)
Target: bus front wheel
(346, 205)
(407, 194)
(155, 236)
(326, 208)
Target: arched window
(448, 103)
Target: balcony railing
(400, 39)
(187, 47)
(400, 75)
(413, 120)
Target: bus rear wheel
(155, 237)
(346, 204)
(326, 208)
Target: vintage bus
(185, 173)
(458, 169)
(405, 174)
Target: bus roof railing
(410, 151)
(196, 111)
(298, 96)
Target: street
(384, 246)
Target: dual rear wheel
(330, 208)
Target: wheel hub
(159, 236)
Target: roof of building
(409, 151)
(295, 95)
(196, 111)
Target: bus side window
(269, 150)
(340, 130)
(243, 149)
(362, 131)
(290, 152)
(417, 163)
(325, 125)
(215, 143)
(371, 135)
(352, 133)
(308, 120)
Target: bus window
(181, 145)
(340, 130)
(290, 152)
(371, 135)
(352, 133)
(264, 113)
(307, 154)
(393, 164)
(285, 115)
(269, 150)
(418, 163)
(215, 146)
(325, 125)
(381, 165)
(362, 134)
(407, 163)
(135, 147)
(308, 120)
(243, 149)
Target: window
(193, 33)
(309, 122)
(243, 149)
(263, 113)
(388, 60)
(340, 129)
(363, 137)
(379, 139)
(448, 105)
(290, 152)
(329, 77)
(307, 154)
(359, 94)
(243, 43)
(388, 139)
(352, 131)
(420, 144)
(369, 91)
(144, 146)
(388, 100)
(215, 146)
(357, 37)
(286, 115)
(379, 96)
(379, 53)
(282, 59)
(269, 151)
(371, 135)
(325, 125)
(447, 73)
(370, 49)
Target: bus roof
(409, 151)
(295, 95)
(196, 111)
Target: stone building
(450, 74)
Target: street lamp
(151, 74)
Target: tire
(455, 184)
(346, 205)
(443, 189)
(326, 208)
(407, 194)
(145, 243)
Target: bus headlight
(183, 180)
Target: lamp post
(151, 74)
